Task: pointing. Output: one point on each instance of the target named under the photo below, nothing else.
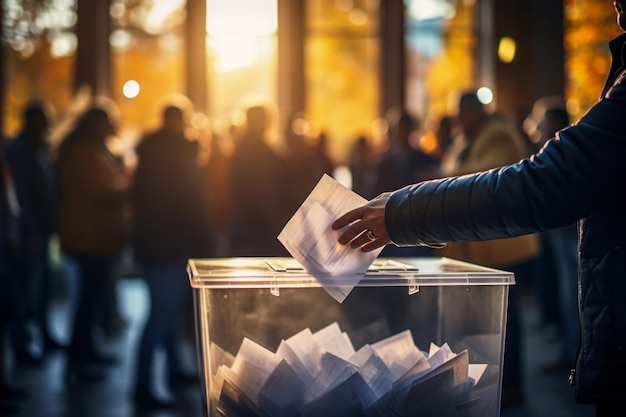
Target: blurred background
(339, 63)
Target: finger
(372, 245)
(348, 218)
(348, 236)
(360, 241)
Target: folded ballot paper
(310, 239)
(321, 374)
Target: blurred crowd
(186, 193)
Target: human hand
(365, 226)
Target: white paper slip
(310, 239)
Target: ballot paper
(310, 239)
(312, 381)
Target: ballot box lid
(284, 272)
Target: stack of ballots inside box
(320, 374)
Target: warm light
(485, 95)
(236, 29)
(121, 39)
(155, 21)
(507, 49)
(344, 5)
(199, 121)
(431, 9)
(573, 106)
(357, 17)
(63, 45)
(131, 89)
(343, 176)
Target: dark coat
(580, 175)
(36, 184)
(258, 203)
(170, 203)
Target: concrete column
(93, 58)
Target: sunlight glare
(235, 29)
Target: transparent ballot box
(414, 337)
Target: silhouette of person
(216, 170)
(171, 225)
(258, 208)
(29, 157)
(322, 161)
(444, 135)
(9, 240)
(360, 164)
(94, 219)
(305, 162)
(402, 164)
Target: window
(440, 42)
(341, 69)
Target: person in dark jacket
(171, 225)
(9, 238)
(579, 175)
(257, 176)
(29, 157)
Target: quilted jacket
(580, 175)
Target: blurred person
(322, 160)
(216, 171)
(490, 142)
(402, 164)
(171, 225)
(306, 160)
(29, 157)
(360, 162)
(257, 188)
(9, 241)
(549, 116)
(579, 175)
(94, 219)
(444, 135)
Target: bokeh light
(485, 95)
(131, 89)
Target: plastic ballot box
(414, 337)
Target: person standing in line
(402, 164)
(94, 220)
(9, 237)
(360, 164)
(579, 175)
(170, 225)
(29, 157)
(259, 207)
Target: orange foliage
(590, 24)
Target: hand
(365, 226)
